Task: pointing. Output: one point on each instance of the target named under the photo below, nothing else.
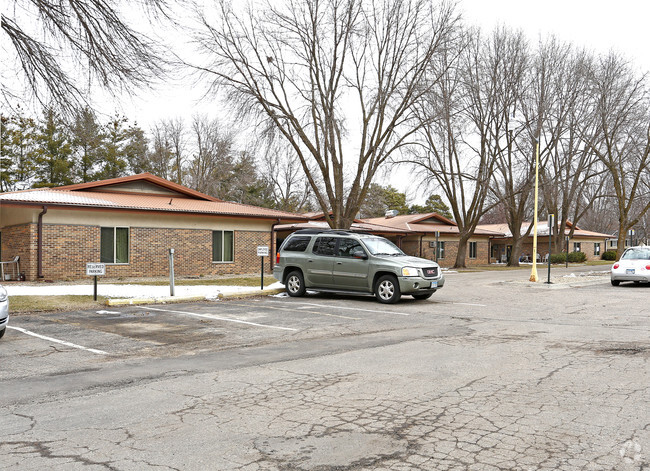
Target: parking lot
(490, 373)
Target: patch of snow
(123, 291)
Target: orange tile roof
(413, 223)
(542, 230)
(189, 202)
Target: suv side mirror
(360, 254)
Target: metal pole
(171, 272)
(533, 273)
(262, 274)
(551, 225)
(95, 288)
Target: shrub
(574, 257)
(558, 258)
(609, 255)
(577, 257)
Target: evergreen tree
(53, 154)
(17, 153)
(87, 142)
(114, 161)
(135, 150)
(433, 204)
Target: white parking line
(470, 304)
(341, 307)
(217, 318)
(62, 342)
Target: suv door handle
(310, 261)
(339, 263)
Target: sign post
(171, 272)
(262, 251)
(95, 270)
(437, 237)
(551, 227)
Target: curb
(182, 299)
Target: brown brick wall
(587, 246)
(411, 246)
(21, 240)
(67, 248)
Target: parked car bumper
(278, 271)
(4, 314)
(622, 276)
(416, 284)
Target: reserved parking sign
(95, 269)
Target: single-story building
(420, 239)
(593, 244)
(130, 223)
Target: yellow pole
(533, 273)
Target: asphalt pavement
(491, 373)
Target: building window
(223, 246)
(472, 249)
(114, 245)
(597, 248)
(441, 249)
(613, 244)
(576, 246)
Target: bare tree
(40, 33)
(175, 129)
(457, 152)
(304, 68)
(621, 106)
(160, 154)
(284, 173)
(214, 153)
(509, 61)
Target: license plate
(629, 271)
(434, 284)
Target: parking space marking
(217, 318)
(470, 304)
(303, 309)
(342, 307)
(62, 342)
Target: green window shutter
(228, 246)
(217, 246)
(106, 245)
(121, 245)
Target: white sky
(597, 25)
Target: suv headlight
(410, 271)
(3, 294)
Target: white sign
(262, 251)
(95, 269)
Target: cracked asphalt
(488, 374)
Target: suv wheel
(2, 332)
(295, 284)
(387, 290)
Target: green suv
(342, 261)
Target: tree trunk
(462, 251)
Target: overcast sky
(597, 25)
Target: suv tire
(387, 289)
(295, 284)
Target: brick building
(593, 244)
(130, 224)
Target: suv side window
(350, 248)
(325, 246)
(297, 244)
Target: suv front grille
(431, 272)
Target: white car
(634, 265)
(4, 310)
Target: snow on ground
(128, 291)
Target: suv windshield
(381, 246)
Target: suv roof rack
(325, 231)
